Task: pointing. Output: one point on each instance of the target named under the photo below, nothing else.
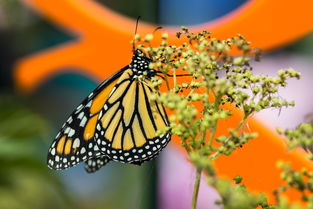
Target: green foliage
(25, 182)
(234, 197)
(301, 181)
(198, 105)
(18, 129)
(301, 136)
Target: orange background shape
(102, 47)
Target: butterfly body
(118, 121)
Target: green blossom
(197, 103)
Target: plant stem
(196, 189)
(212, 135)
(216, 154)
(174, 78)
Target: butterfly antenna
(137, 21)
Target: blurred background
(29, 123)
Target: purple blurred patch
(176, 183)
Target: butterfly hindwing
(75, 141)
(94, 164)
(129, 120)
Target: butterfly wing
(127, 125)
(75, 141)
(94, 164)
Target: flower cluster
(213, 80)
(302, 136)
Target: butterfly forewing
(75, 141)
(129, 120)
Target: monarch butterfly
(118, 121)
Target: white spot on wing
(76, 143)
(89, 104)
(112, 91)
(67, 130)
(83, 122)
(79, 108)
(70, 119)
(80, 116)
(71, 133)
(58, 135)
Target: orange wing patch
(90, 128)
(64, 146)
(101, 98)
(143, 111)
(117, 141)
(97, 104)
(109, 115)
(139, 137)
(68, 146)
(60, 145)
(126, 75)
(128, 142)
(113, 125)
(129, 102)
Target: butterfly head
(140, 64)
